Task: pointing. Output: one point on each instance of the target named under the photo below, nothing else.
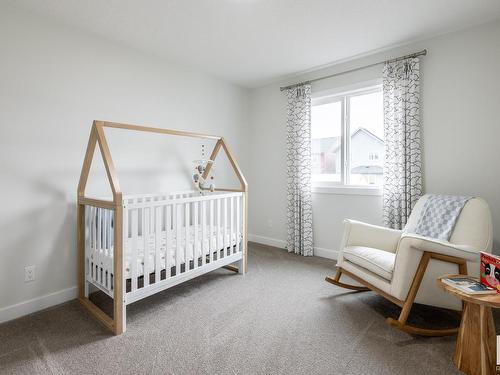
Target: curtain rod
(420, 53)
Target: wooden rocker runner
(403, 267)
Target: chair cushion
(380, 262)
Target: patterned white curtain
(299, 207)
(403, 164)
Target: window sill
(347, 190)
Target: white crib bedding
(217, 239)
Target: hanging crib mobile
(202, 182)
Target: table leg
(475, 350)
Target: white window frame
(343, 95)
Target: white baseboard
(267, 241)
(326, 253)
(318, 251)
(37, 304)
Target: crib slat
(151, 232)
(238, 229)
(231, 213)
(203, 231)
(164, 221)
(110, 246)
(94, 241)
(211, 233)
(87, 245)
(112, 236)
(151, 236)
(134, 240)
(103, 246)
(188, 237)
(125, 247)
(168, 241)
(178, 239)
(110, 230)
(224, 239)
(91, 240)
(157, 243)
(104, 231)
(195, 229)
(106, 247)
(145, 238)
(218, 231)
(99, 245)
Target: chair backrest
(473, 227)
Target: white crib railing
(167, 239)
(99, 247)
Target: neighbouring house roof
(361, 130)
(332, 144)
(364, 130)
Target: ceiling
(252, 42)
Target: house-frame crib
(137, 245)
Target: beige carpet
(280, 318)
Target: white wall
(53, 82)
(461, 131)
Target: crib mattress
(213, 241)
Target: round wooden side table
(476, 341)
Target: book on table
(468, 284)
(489, 270)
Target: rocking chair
(403, 267)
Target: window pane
(326, 130)
(367, 139)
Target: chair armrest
(357, 233)
(422, 243)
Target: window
(326, 131)
(355, 160)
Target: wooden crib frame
(97, 138)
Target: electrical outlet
(29, 273)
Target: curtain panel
(402, 164)
(299, 200)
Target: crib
(134, 246)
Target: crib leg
(241, 266)
(86, 287)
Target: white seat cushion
(380, 262)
